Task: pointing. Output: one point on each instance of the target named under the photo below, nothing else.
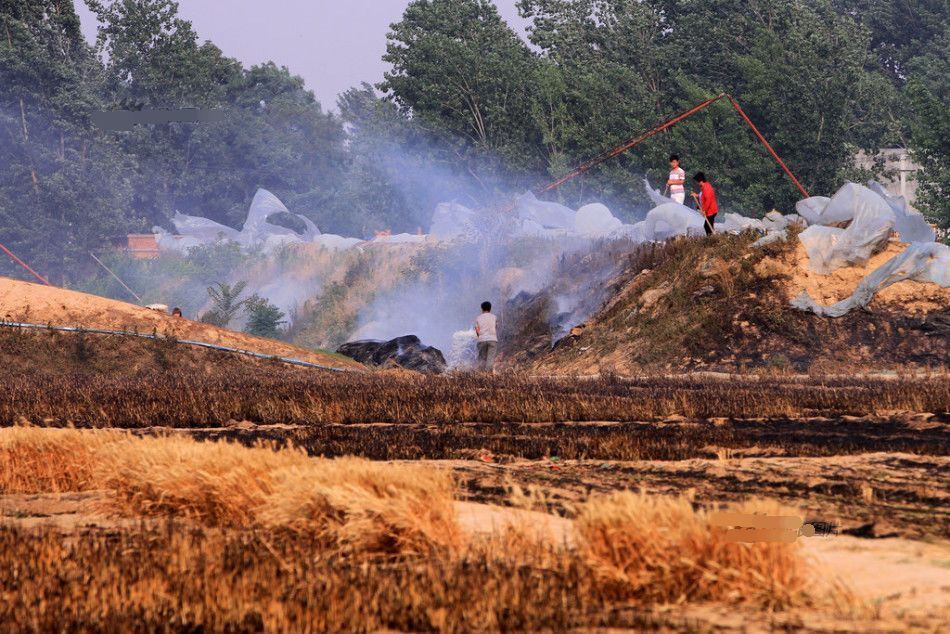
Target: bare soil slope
(719, 304)
(33, 303)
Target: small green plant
(226, 305)
(264, 319)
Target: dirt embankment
(33, 303)
(718, 304)
(908, 297)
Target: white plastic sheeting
(812, 210)
(874, 215)
(770, 238)
(595, 220)
(873, 221)
(192, 231)
(734, 223)
(464, 352)
(548, 215)
(257, 231)
(451, 221)
(401, 238)
(335, 243)
(910, 224)
(670, 220)
(202, 229)
(920, 262)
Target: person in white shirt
(677, 181)
(485, 328)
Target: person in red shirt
(706, 199)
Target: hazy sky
(332, 44)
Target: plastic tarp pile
(871, 223)
(258, 230)
(451, 221)
(872, 216)
(193, 231)
(537, 216)
(920, 262)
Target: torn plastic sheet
(452, 220)
(202, 229)
(193, 231)
(873, 220)
(547, 214)
(910, 224)
(734, 223)
(257, 230)
(771, 238)
(672, 219)
(920, 262)
(595, 220)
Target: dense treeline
(468, 111)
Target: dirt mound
(718, 304)
(908, 296)
(33, 303)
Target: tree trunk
(26, 141)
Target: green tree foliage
(930, 148)
(276, 136)
(64, 187)
(468, 111)
(461, 72)
(225, 304)
(927, 93)
(263, 318)
(803, 73)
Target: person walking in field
(677, 180)
(485, 329)
(706, 201)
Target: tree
(460, 72)
(930, 148)
(804, 73)
(225, 303)
(899, 30)
(263, 318)
(63, 187)
(276, 135)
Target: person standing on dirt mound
(706, 201)
(677, 180)
(485, 329)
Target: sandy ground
(37, 304)
(911, 297)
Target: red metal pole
(627, 145)
(24, 265)
(735, 104)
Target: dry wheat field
(146, 487)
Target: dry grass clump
(348, 503)
(35, 460)
(659, 549)
(368, 506)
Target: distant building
(897, 160)
(141, 246)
